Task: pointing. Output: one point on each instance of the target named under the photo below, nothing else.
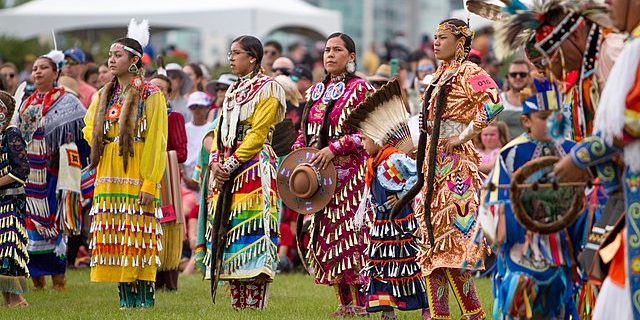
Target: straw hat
(383, 74)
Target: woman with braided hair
(460, 101)
(126, 126)
(336, 250)
(243, 224)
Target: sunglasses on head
(284, 71)
(518, 74)
(9, 75)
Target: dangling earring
(133, 68)
(459, 52)
(351, 66)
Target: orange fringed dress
(472, 102)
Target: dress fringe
(14, 285)
(172, 245)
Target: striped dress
(47, 122)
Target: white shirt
(195, 134)
(507, 105)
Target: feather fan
(383, 117)
(485, 9)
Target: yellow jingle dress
(124, 235)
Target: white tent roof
(224, 17)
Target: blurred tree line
(16, 50)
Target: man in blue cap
(75, 67)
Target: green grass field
(291, 296)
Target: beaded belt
(448, 128)
(243, 129)
(117, 139)
(12, 191)
(382, 208)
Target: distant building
(377, 21)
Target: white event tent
(222, 18)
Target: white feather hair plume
(56, 56)
(383, 117)
(139, 31)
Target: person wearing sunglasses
(9, 73)
(282, 66)
(426, 66)
(74, 67)
(272, 51)
(518, 79)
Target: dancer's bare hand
(219, 173)
(392, 200)
(145, 198)
(322, 159)
(566, 171)
(450, 143)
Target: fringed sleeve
(64, 122)
(484, 95)
(154, 152)
(264, 118)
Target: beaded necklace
(115, 108)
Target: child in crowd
(489, 142)
(395, 278)
(534, 276)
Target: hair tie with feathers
(140, 33)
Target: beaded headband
(121, 46)
(457, 30)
